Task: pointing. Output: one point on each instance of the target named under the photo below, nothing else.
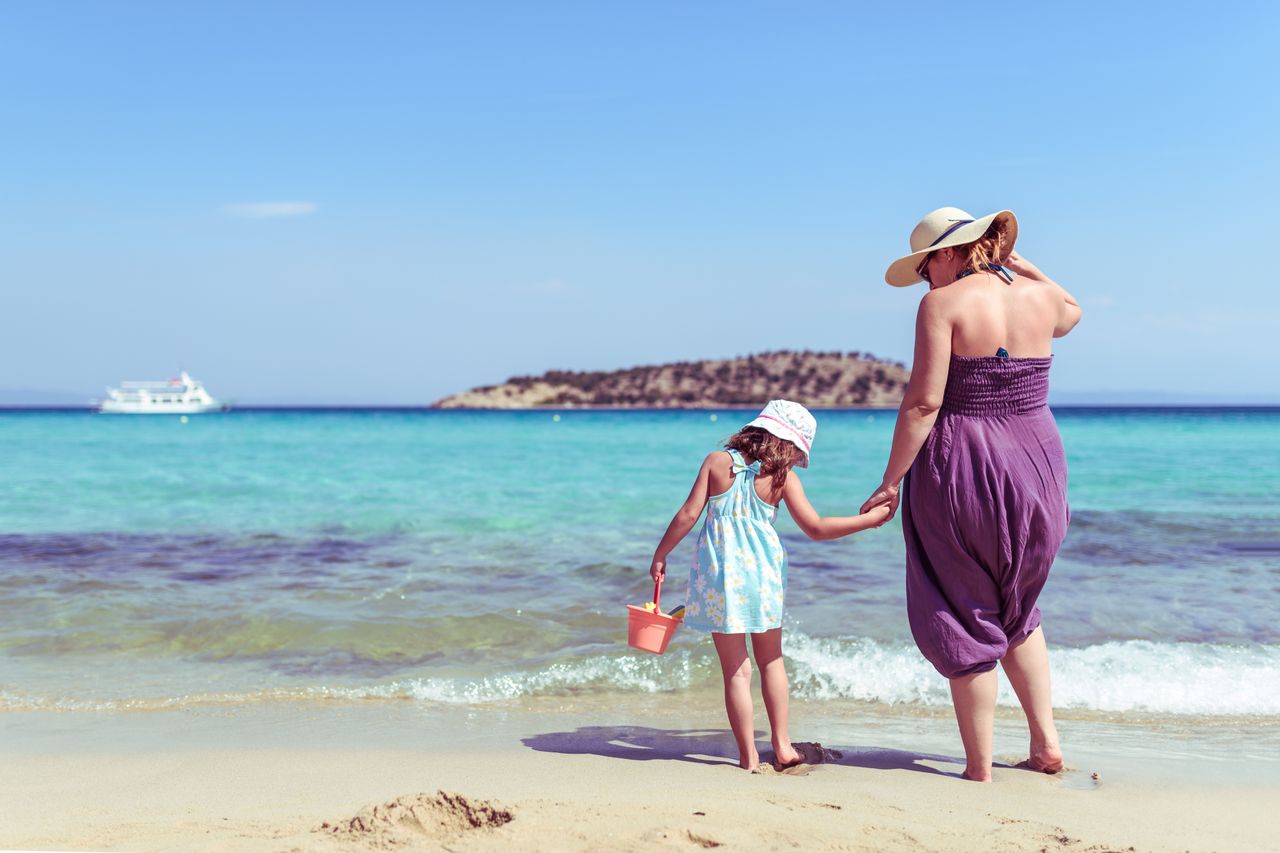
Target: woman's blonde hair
(990, 248)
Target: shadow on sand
(640, 743)
(716, 747)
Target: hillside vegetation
(817, 379)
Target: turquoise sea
(481, 557)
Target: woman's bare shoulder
(945, 301)
(1035, 290)
(936, 300)
(984, 286)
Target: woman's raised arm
(1069, 311)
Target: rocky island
(816, 379)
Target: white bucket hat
(941, 229)
(789, 421)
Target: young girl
(739, 577)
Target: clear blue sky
(387, 202)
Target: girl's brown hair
(776, 455)
(990, 248)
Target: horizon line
(428, 407)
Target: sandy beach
(332, 777)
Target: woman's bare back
(988, 313)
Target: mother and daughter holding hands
(977, 467)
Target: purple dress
(984, 511)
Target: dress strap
(1003, 272)
(740, 465)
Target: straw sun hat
(945, 227)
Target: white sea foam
(630, 673)
(1134, 675)
(1138, 676)
(1131, 676)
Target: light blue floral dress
(739, 577)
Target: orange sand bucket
(650, 630)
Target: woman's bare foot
(1045, 757)
(750, 762)
(976, 775)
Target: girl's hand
(886, 495)
(881, 514)
(658, 571)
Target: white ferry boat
(181, 396)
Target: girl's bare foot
(785, 755)
(976, 775)
(750, 762)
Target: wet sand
(379, 775)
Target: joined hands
(886, 495)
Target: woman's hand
(1020, 265)
(658, 571)
(880, 514)
(886, 494)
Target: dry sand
(134, 782)
(331, 800)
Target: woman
(985, 496)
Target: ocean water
(485, 557)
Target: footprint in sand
(668, 837)
(703, 841)
(418, 815)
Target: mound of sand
(418, 815)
